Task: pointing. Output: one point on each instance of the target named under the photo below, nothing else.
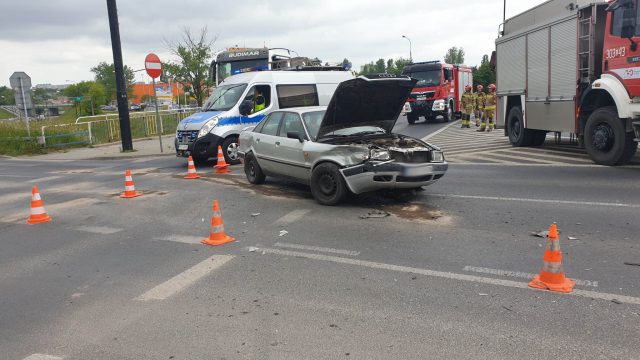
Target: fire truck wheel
(448, 115)
(605, 140)
(411, 118)
(518, 135)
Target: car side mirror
(245, 107)
(295, 135)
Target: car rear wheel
(252, 170)
(230, 150)
(327, 184)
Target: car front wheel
(327, 184)
(230, 151)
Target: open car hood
(374, 100)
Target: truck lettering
(616, 52)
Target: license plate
(183, 147)
(413, 171)
(421, 98)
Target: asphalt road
(443, 276)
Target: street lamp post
(410, 57)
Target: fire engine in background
(572, 66)
(438, 91)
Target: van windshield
(224, 97)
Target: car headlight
(207, 127)
(438, 105)
(379, 154)
(437, 156)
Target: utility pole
(24, 105)
(410, 56)
(121, 88)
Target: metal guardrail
(101, 129)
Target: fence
(101, 129)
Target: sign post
(154, 69)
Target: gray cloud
(55, 41)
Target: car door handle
(277, 142)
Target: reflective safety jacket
(467, 101)
(491, 101)
(480, 100)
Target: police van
(243, 100)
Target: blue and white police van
(243, 100)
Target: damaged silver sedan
(344, 147)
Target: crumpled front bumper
(371, 176)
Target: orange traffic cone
(217, 235)
(191, 170)
(222, 166)
(129, 187)
(552, 274)
(37, 214)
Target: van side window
(260, 97)
(297, 95)
(271, 124)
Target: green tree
(191, 69)
(88, 96)
(398, 65)
(7, 97)
(346, 63)
(380, 66)
(483, 75)
(454, 56)
(105, 74)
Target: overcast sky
(57, 42)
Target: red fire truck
(572, 66)
(438, 90)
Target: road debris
(374, 214)
(616, 301)
(255, 214)
(572, 238)
(283, 233)
(631, 263)
(507, 308)
(483, 294)
(542, 234)
(253, 249)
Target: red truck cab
(438, 91)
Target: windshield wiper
(370, 132)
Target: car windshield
(426, 78)
(312, 122)
(224, 97)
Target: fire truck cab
(438, 91)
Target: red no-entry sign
(153, 65)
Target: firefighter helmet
(468, 88)
(492, 87)
(480, 88)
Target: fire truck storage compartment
(541, 63)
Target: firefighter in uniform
(466, 106)
(490, 107)
(480, 99)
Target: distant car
(108, 108)
(135, 107)
(344, 147)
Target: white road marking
(106, 230)
(50, 208)
(544, 201)
(440, 130)
(15, 176)
(535, 156)
(317, 248)
(42, 357)
(527, 165)
(448, 275)
(184, 279)
(41, 180)
(522, 275)
(186, 239)
(293, 216)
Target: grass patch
(4, 114)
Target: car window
(312, 120)
(297, 95)
(272, 124)
(291, 122)
(260, 97)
